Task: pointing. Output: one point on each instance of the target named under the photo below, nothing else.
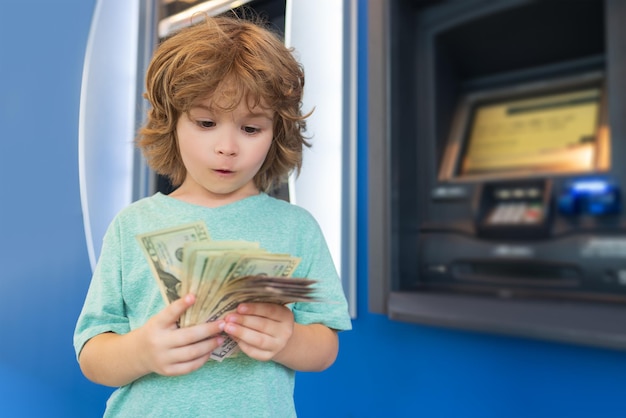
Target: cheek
(191, 148)
(264, 152)
(192, 159)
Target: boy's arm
(158, 346)
(312, 348)
(266, 331)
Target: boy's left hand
(262, 330)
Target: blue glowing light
(590, 186)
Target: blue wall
(45, 267)
(385, 369)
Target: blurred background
(422, 346)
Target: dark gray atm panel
(504, 207)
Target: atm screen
(555, 133)
(546, 133)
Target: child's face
(222, 152)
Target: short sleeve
(332, 308)
(103, 309)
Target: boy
(225, 126)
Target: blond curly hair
(232, 59)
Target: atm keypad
(516, 213)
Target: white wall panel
(107, 117)
(323, 33)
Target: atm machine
(501, 201)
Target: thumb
(172, 312)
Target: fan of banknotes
(222, 274)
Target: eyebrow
(264, 114)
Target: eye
(250, 129)
(205, 123)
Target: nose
(226, 144)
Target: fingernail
(221, 325)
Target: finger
(202, 331)
(191, 357)
(171, 314)
(266, 310)
(236, 322)
(190, 343)
(199, 349)
(255, 330)
(196, 334)
(244, 335)
(254, 344)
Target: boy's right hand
(170, 351)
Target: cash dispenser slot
(526, 280)
(517, 273)
(514, 279)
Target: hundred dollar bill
(164, 251)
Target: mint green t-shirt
(123, 295)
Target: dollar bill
(222, 275)
(247, 265)
(259, 288)
(201, 261)
(229, 291)
(164, 251)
